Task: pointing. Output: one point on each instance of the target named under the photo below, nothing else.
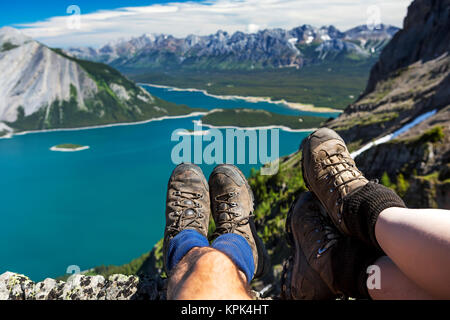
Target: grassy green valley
(332, 85)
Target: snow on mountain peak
(13, 36)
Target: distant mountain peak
(267, 48)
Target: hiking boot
(187, 203)
(300, 282)
(330, 172)
(305, 228)
(324, 264)
(232, 209)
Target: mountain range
(43, 88)
(270, 48)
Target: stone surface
(14, 286)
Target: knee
(215, 262)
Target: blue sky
(28, 11)
(102, 21)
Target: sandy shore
(55, 148)
(292, 105)
(284, 128)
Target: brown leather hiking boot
(232, 209)
(187, 203)
(330, 172)
(324, 264)
(305, 230)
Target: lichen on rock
(15, 286)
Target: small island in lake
(69, 147)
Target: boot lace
(330, 236)
(349, 166)
(187, 214)
(230, 221)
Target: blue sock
(181, 244)
(238, 250)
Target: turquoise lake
(100, 206)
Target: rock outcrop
(14, 286)
(425, 36)
(411, 77)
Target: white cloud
(252, 28)
(181, 19)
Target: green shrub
(385, 180)
(434, 134)
(8, 46)
(402, 185)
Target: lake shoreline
(21, 133)
(292, 105)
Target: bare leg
(207, 274)
(395, 285)
(418, 242)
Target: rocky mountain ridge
(270, 48)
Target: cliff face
(425, 36)
(411, 77)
